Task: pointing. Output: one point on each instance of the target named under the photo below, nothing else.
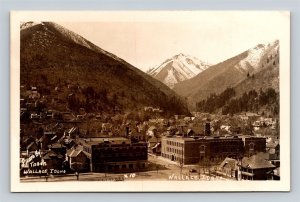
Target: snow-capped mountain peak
(178, 68)
(256, 55)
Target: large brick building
(253, 145)
(115, 154)
(188, 150)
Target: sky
(209, 36)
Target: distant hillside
(52, 56)
(177, 69)
(259, 92)
(268, 77)
(227, 74)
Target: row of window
(172, 157)
(173, 150)
(176, 144)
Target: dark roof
(73, 152)
(51, 154)
(30, 145)
(229, 162)
(257, 161)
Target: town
(59, 143)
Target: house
(152, 131)
(273, 149)
(154, 145)
(229, 168)
(53, 160)
(78, 159)
(256, 167)
(58, 148)
(33, 146)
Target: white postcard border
(142, 186)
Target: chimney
(207, 131)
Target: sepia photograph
(140, 101)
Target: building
(229, 168)
(154, 145)
(78, 159)
(115, 154)
(273, 149)
(254, 145)
(189, 150)
(256, 167)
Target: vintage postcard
(140, 101)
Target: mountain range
(52, 55)
(260, 62)
(177, 69)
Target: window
(202, 149)
(251, 146)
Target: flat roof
(112, 140)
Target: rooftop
(111, 140)
(256, 162)
(229, 162)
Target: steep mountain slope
(61, 57)
(268, 77)
(259, 92)
(177, 69)
(227, 74)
